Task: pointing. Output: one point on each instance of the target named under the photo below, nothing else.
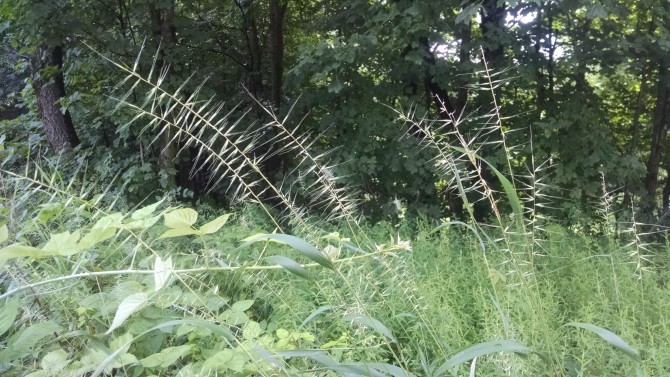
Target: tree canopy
(581, 89)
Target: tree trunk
(277, 12)
(164, 32)
(250, 31)
(49, 89)
(659, 132)
(493, 14)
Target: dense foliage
(320, 187)
(582, 88)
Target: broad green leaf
(178, 232)
(110, 221)
(372, 323)
(145, 212)
(214, 225)
(224, 332)
(224, 360)
(54, 361)
(24, 342)
(298, 244)
(4, 233)
(166, 357)
(128, 306)
(251, 330)
(613, 339)
(95, 236)
(63, 243)
(17, 251)
(162, 272)
(290, 265)
(467, 13)
(181, 218)
(8, 313)
(121, 343)
(483, 349)
(142, 223)
(242, 306)
(233, 318)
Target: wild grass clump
(92, 286)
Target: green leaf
(214, 225)
(242, 306)
(372, 323)
(181, 218)
(95, 236)
(315, 313)
(290, 265)
(110, 221)
(510, 191)
(121, 343)
(24, 342)
(178, 232)
(4, 233)
(613, 339)
(166, 357)
(162, 272)
(483, 349)
(224, 332)
(128, 306)
(63, 243)
(54, 361)
(251, 330)
(143, 213)
(224, 360)
(8, 313)
(508, 187)
(467, 13)
(17, 251)
(298, 244)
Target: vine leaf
(214, 225)
(128, 306)
(181, 218)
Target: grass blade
(289, 265)
(483, 349)
(613, 339)
(298, 244)
(372, 323)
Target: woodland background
(334, 187)
(582, 89)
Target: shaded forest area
(582, 88)
(321, 188)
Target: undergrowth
(94, 287)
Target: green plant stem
(185, 271)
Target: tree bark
(164, 32)
(493, 14)
(659, 132)
(250, 30)
(277, 13)
(49, 86)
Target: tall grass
(158, 290)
